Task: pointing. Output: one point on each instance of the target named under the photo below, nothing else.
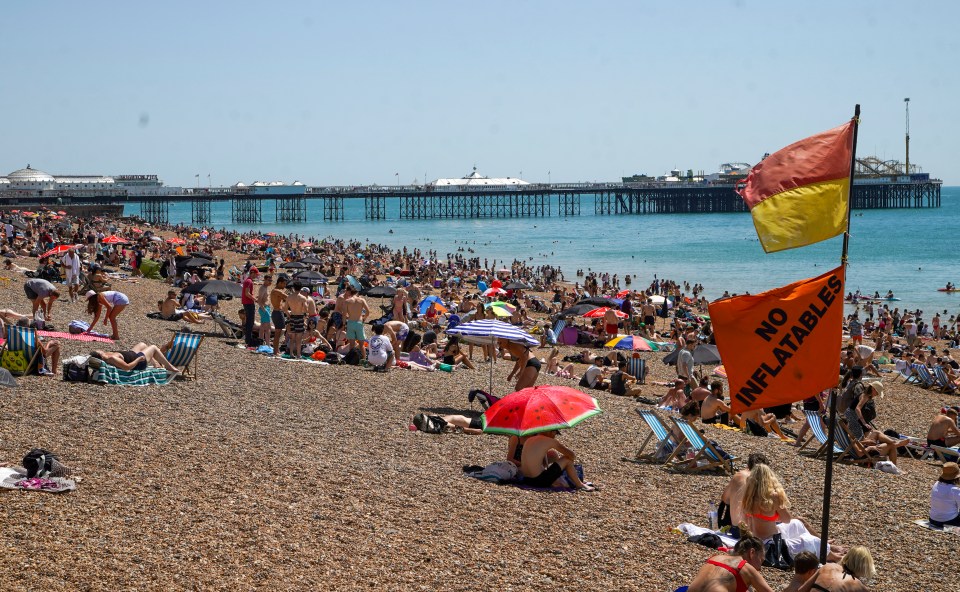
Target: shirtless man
(943, 431)
(805, 566)
(733, 573)
(544, 460)
(610, 322)
(702, 391)
(761, 417)
(170, 310)
(649, 312)
(714, 409)
(396, 332)
(732, 495)
(297, 323)
(278, 302)
(675, 397)
(355, 313)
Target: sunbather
(554, 367)
(675, 397)
(766, 421)
(945, 497)
(733, 573)
(805, 566)
(943, 431)
(732, 497)
(846, 576)
(875, 443)
(538, 468)
(714, 409)
(171, 311)
(137, 358)
(622, 384)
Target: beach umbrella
(623, 293)
(516, 285)
(294, 265)
(114, 240)
(657, 299)
(306, 244)
(633, 342)
(137, 230)
(538, 409)
(381, 291)
(195, 262)
(310, 278)
(311, 260)
(494, 291)
(702, 354)
(271, 234)
(58, 250)
(218, 287)
(600, 301)
(487, 332)
(577, 310)
(500, 311)
(176, 240)
(598, 313)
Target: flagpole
(832, 427)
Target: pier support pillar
(246, 209)
(333, 208)
(291, 208)
(200, 210)
(155, 210)
(375, 207)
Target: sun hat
(876, 385)
(949, 471)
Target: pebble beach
(270, 474)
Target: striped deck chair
(557, 329)
(703, 451)
(946, 454)
(905, 371)
(845, 440)
(923, 376)
(819, 431)
(658, 431)
(943, 381)
(637, 368)
(182, 352)
(23, 339)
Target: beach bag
(430, 424)
(76, 372)
(352, 358)
(78, 327)
(39, 462)
(776, 553)
(14, 361)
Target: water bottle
(712, 516)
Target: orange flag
(783, 345)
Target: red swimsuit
(741, 585)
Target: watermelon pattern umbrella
(539, 409)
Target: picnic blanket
(70, 336)
(487, 474)
(108, 374)
(11, 478)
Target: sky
(350, 93)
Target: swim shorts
(355, 330)
(612, 329)
(546, 478)
(297, 323)
(279, 321)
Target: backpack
(431, 424)
(483, 397)
(38, 462)
(352, 358)
(74, 372)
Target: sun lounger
(705, 455)
(658, 431)
(182, 352)
(226, 327)
(23, 339)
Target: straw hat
(950, 471)
(876, 385)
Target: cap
(89, 294)
(304, 290)
(949, 471)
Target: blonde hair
(859, 562)
(763, 491)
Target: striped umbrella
(488, 332)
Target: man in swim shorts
(278, 302)
(297, 325)
(943, 431)
(356, 312)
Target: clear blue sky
(353, 92)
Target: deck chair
(637, 368)
(943, 381)
(819, 433)
(182, 352)
(945, 454)
(923, 376)
(226, 327)
(845, 440)
(703, 451)
(23, 339)
(904, 370)
(658, 431)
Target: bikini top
(741, 585)
(765, 517)
(846, 572)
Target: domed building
(30, 179)
(30, 182)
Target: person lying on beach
(553, 366)
(767, 422)
(9, 265)
(943, 430)
(733, 573)
(137, 358)
(846, 576)
(170, 310)
(543, 469)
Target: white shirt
(380, 348)
(72, 262)
(944, 502)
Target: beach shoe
(44, 372)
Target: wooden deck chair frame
(32, 358)
(943, 381)
(190, 353)
(703, 451)
(846, 441)
(657, 430)
(923, 376)
(818, 429)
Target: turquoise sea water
(912, 252)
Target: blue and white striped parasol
(487, 332)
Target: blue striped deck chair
(943, 381)
(845, 440)
(554, 337)
(23, 339)
(818, 429)
(946, 454)
(182, 352)
(923, 376)
(704, 452)
(637, 368)
(658, 431)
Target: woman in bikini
(733, 573)
(847, 576)
(452, 354)
(138, 358)
(527, 366)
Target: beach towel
(692, 530)
(925, 523)
(108, 374)
(12, 478)
(490, 474)
(81, 337)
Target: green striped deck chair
(107, 374)
(658, 431)
(182, 352)
(23, 339)
(706, 457)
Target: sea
(910, 252)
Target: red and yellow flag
(798, 195)
(783, 345)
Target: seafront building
(30, 182)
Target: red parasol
(598, 313)
(494, 292)
(114, 240)
(176, 241)
(539, 409)
(58, 250)
(623, 293)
